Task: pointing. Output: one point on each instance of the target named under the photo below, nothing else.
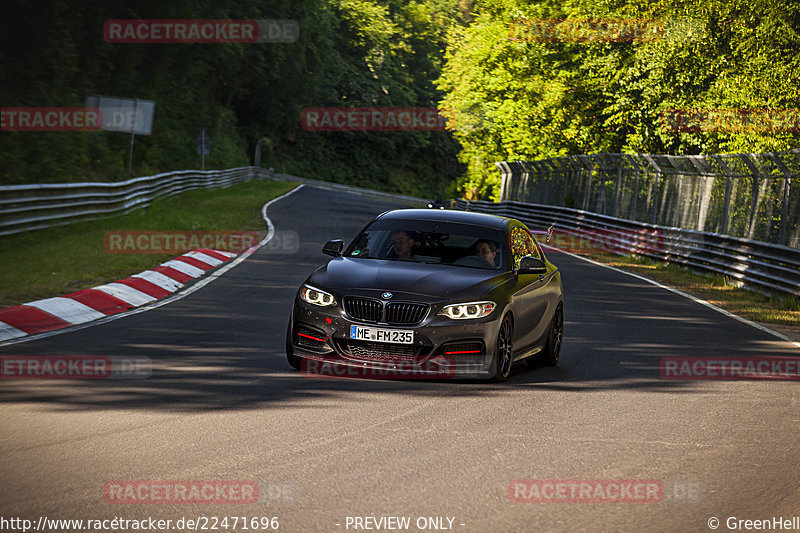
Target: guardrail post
(787, 183)
(528, 166)
(726, 209)
(700, 205)
(652, 162)
(618, 187)
(571, 172)
(704, 198)
(656, 187)
(635, 198)
(505, 176)
(603, 201)
(601, 198)
(588, 194)
(751, 224)
(676, 215)
(726, 206)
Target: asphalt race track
(223, 404)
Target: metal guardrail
(37, 206)
(745, 195)
(769, 267)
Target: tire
(503, 352)
(294, 361)
(555, 339)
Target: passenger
(487, 250)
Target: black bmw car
(430, 293)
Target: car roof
(449, 215)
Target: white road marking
(200, 256)
(159, 279)
(186, 268)
(126, 294)
(67, 309)
(8, 332)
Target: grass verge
(781, 313)
(55, 261)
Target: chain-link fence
(744, 195)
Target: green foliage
(510, 95)
(507, 95)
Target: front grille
(370, 310)
(403, 313)
(363, 308)
(378, 351)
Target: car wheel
(503, 351)
(294, 361)
(552, 351)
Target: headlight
(468, 310)
(315, 296)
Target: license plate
(395, 336)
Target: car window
(446, 244)
(522, 243)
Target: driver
(402, 243)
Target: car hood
(345, 275)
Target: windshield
(431, 242)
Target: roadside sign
(203, 147)
(126, 115)
(203, 143)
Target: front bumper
(443, 348)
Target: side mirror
(532, 265)
(334, 247)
